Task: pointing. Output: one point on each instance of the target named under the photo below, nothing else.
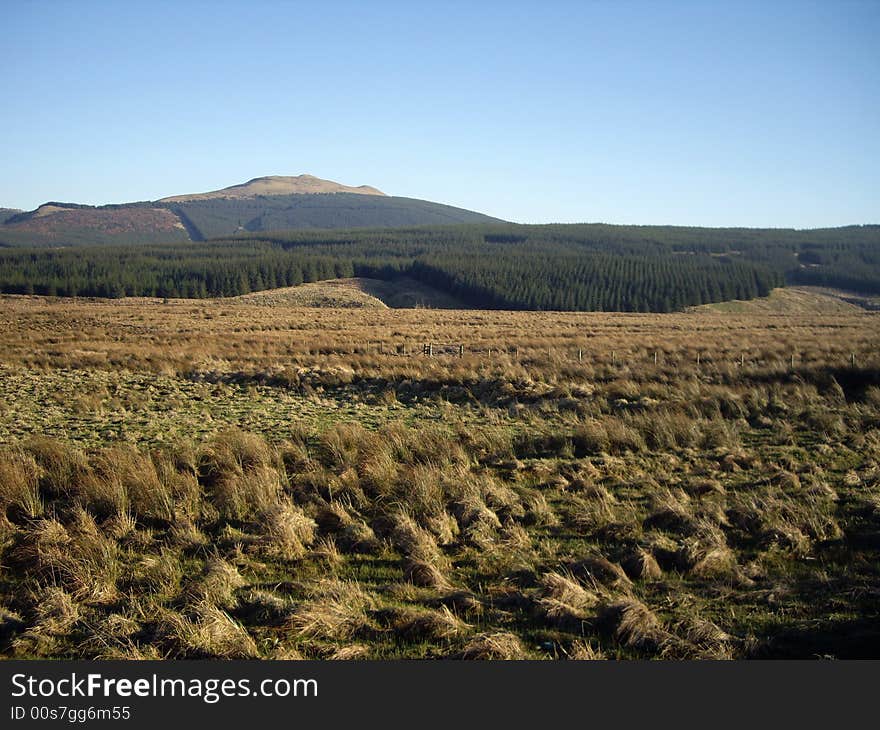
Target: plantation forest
(526, 267)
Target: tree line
(555, 267)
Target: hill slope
(337, 293)
(794, 301)
(226, 217)
(265, 204)
(276, 185)
(55, 224)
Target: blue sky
(703, 113)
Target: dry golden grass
(339, 293)
(336, 610)
(213, 336)
(497, 646)
(317, 493)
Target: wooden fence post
(580, 355)
(655, 357)
(461, 350)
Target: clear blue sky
(701, 113)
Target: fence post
(431, 349)
(655, 357)
(698, 358)
(852, 359)
(742, 359)
(461, 350)
(580, 355)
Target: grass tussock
(633, 624)
(19, 487)
(426, 624)
(499, 645)
(217, 585)
(380, 503)
(209, 633)
(336, 610)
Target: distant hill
(276, 185)
(226, 217)
(68, 224)
(264, 204)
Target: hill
(276, 185)
(212, 218)
(55, 224)
(264, 204)
(793, 301)
(356, 293)
(335, 293)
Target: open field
(220, 478)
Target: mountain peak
(276, 185)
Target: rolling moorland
(253, 478)
(475, 441)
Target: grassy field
(248, 478)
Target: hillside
(356, 293)
(72, 225)
(264, 204)
(271, 214)
(793, 301)
(335, 293)
(275, 185)
(234, 249)
(488, 267)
